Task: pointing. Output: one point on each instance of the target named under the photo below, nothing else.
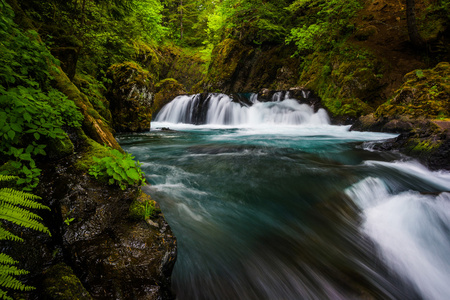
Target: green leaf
(133, 174)
(11, 134)
(16, 127)
(37, 136)
(27, 117)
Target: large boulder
(115, 255)
(166, 91)
(419, 111)
(237, 68)
(130, 97)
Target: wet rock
(61, 283)
(130, 97)
(419, 112)
(166, 91)
(239, 68)
(115, 256)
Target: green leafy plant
(31, 112)
(67, 221)
(419, 74)
(117, 168)
(321, 23)
(143, 208)
(14, 208)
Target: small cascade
(306, 94)
(220, 109)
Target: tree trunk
(414, 35)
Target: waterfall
(220, 109)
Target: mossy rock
(166, 91)
(346, 80)
(147, 57)
(225, 59)
(60, 283)
(143, 208)
(93, 125)
(130, 97)
(187, 67)
(59, 148)
(95, 91)
(424, 94)
(365, 31)
(90, 149)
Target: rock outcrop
(130, 97)
(419, 111)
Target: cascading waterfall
(269, 201)
(220, 109)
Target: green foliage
(14, 208)
(143, 208)
(24, 60)
(251, 21)
(31, 112)
(321, 23)
(117, 168)
(306, 37)
(67, 221)
(419, 74)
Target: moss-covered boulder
(115, 255)
(149, 57)
(130, 97)
(424, 94)
(183, 65)
(61, 283)
(419, 111)
(347, 80)
(236, 68)
(226, 60)
(166, 91)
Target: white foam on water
(411, 231)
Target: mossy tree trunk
(414, 35)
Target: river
(270, 201)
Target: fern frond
(10, 282)
(6, 259)
(13, 208)
(6, 235)
(7, 177)
(22, 217)
(11, 270)
(4, 296)
(21, 198)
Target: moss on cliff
(225, 59)
(346, 79)
(93, 124)
(424, 94)
(131, 96)
(166, 91)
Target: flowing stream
(270, 201)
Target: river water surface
(272, 202)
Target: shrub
(117, 168)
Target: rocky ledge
(419, 112)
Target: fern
(14, 207)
